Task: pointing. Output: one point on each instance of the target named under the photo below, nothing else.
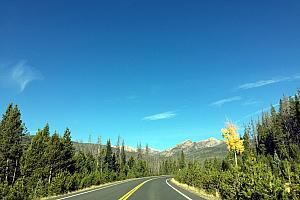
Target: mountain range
(201, 150)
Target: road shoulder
(86, 190)
(194, 190)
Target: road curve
(150, 188)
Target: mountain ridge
(210, 142)
(201, 150)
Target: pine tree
(123, 166)
(246, 138)
(99, 155)
(123, 154)
(2, 158)
(139, 151)
(147, 150)
(181, 160)
(247, 142)
(34, 160)
(10, 143)
(54, 156)
(90, 148)
(114, 167)
(263, 134)
(147, 155)
(296, 118)
(131, 162)
(108, 156)
(118, 150)
(67, 151)
(277, 135)
(254, 136)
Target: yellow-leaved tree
(232, 139)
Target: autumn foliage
(232, 139)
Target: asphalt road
(151, 188)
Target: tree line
(263, 164)
(47, 164)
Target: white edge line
(113, 184)
(91, 191)
(178, 191)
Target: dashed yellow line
(128, 194)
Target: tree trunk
(50, 176)
(15, 171)
(235, 158)
(6, 169)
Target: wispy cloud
(133, 98)
(251, 102)
(221, 102)
(296, 76)
(261, 83)
(266, 109)
(160, 116)
(20, 75)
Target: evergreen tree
(246, 139)
(254, 136)
(90, 149)
(108, 156)
(34, 161)
(54, 156)
(295, 136)
(131, 162)
(277, 135)
(147, 150)
(99, 155)
(262, 134)
(181, 160)
(10, 144)
(49, 165)
(139, 151)
(68, 152)
(123, 154)
(114, 166)
(118, 150)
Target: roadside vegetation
(47, 164)
(262, 164)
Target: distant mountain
(203, 149)
(188, 146)
(200, 150)
(152, 151)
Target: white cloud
(132, 97)
(20, 75)
(261, 83)
(296, 76)
(250, 102)
(221, 102)
(160, 116)
(258, 112)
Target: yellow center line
(128, 194)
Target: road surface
(150, 188)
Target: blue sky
(158, 72)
